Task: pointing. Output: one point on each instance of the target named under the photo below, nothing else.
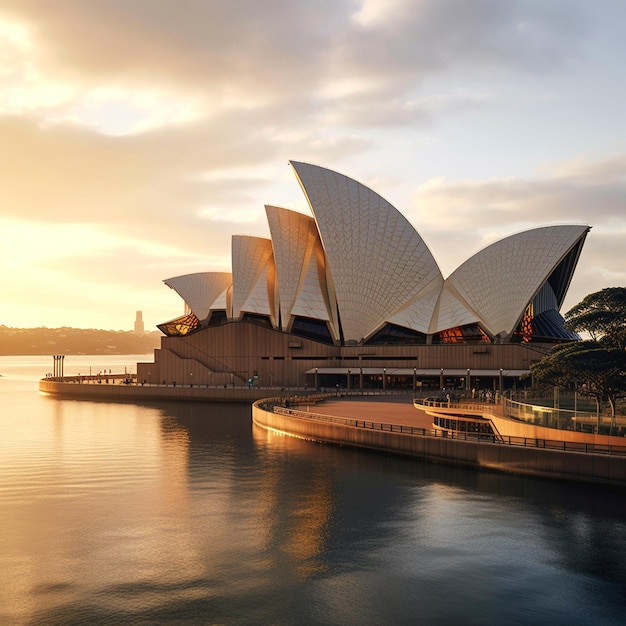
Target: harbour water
(184, 513)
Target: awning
(408, 371)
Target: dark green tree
(601, 315)
(600, 372)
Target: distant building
(139, 328)
(352, 297)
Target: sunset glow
(137, 137)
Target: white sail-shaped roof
(451, 311)
(315, 297)
(497, 283)
(223, 301)
(253, 275)
(358, 265)
(200, 290)
(418, 314)
(377, 261)
(299, 260)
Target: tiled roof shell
(300, 268)
(358, 264)
(498, 282)
(253, 276)
(200, 290)
(378, 262)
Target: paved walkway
(383, 410)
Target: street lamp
(316, 386)
(384, 378)
(414, 379)
(191, 379)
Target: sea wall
(605, 469)
(117, 392)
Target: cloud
(149, 116)
(572, 193)
(402, 39)
(195, 57)
(165, 127)
(235, 50)
(162, 184)
(130, 112)
(458, 218)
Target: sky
(138, 136)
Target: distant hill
(18, 341)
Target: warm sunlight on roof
(135, 142)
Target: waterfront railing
(524, 442)
(539, 415)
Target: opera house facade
(353, 298)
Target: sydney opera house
(352, 297)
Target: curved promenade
(546, 458)
(117, 391)
(392, 427)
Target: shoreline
(415, 439)
(387, 423)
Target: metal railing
(523, 442)
(538, 415)
(455, 404)
(564, 419)
(544, 415)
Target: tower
(139, 329)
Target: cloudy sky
(137, 136)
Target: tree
(601, 369)
(602, 315)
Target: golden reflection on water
(174, 466)
(297, 529)
(77, 466)
(309, 529)
(115, 513)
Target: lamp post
(467, 380)
(384, 378)
(414, 379)
(191, 379)
(348, 387)
(441, 379)
(316, 385)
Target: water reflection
(323, 511)
(187, 513)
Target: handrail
(514, 408)
(454, 404)
(524, 442)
